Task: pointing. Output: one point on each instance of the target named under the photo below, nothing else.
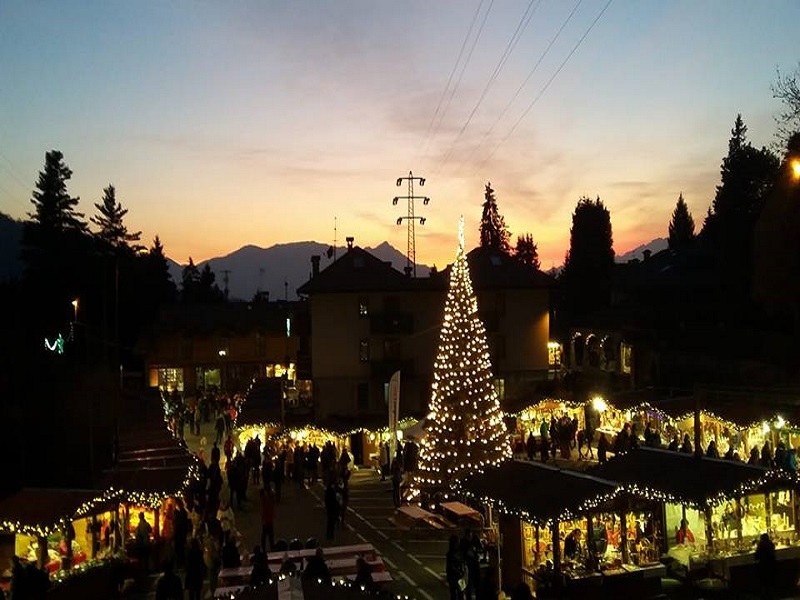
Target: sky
(223, 124)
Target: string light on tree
(465, 425)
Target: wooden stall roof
(150, 460)
(740, 410)
(542, 492)
(679, 476)
(45, 508)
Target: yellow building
(369, 320)
(225, 346)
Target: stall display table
(461, 512)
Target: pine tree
(54, 207)
(190, 282)
(158, 276)
(681, 228)
(109, 220)
(465, 430)
(526, 251)
(494, 233)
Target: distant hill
(10, 238)
(280, 269)
(656, 245)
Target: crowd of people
(559, 437)
(204, 406)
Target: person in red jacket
(684, 534)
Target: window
(553, 354)
(363, 351)
(391, 348)
(500, 304)
(362, 396)
(224, 344)
(497, 347)
(500, 388)
(261, 345)
(187, 348)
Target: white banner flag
(394, 412)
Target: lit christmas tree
(465, 430)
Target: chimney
(647, 254)
(315, 265)
(349, 239)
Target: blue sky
(224, 124)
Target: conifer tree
(54, 207)
(465, 430)
(494, 233)
(681, 227)
(526, 251)
(109, 219)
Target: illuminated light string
(465, 430)
(772, 477)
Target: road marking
(423, 593)
(398, 546)
(361, 537)
(392, 566)
(380, 533)
(434, 573)
(414, 558)
(409, 580)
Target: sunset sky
(230, 123)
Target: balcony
(391, 323)
(383, 369)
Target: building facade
(368, 320)
(225, 346)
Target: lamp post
(795, 165)
(75, 310)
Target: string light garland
(340, 582)
(465, 429)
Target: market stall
(566, 531)
(741, 427)
(713, 511)
(56, 529)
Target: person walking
(455, 570)
(331, 510)
(143, 531)
(169, 585)
(267, 519)
(195, 570)
(180, 527)
(212, 560)
(602, 448)
(765, 558)
(397, 478)
(344, 494)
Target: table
(415, 512)
(462, 511)
(332, 552)
(235, 575)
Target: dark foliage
(493, 231)
(681, 227)
(586, 279)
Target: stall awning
(539, 492)
(44, 510)
(679, 477)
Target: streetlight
(795, 164)
(75, 308)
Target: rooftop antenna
(411, 219)
(225, 275)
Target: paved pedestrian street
(415, 559)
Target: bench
(378, 577)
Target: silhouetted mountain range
(656, 245)
(280, 269)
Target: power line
(450, 78)
(521, 26)
(464, 66)
(547, 85)
(542, 56)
